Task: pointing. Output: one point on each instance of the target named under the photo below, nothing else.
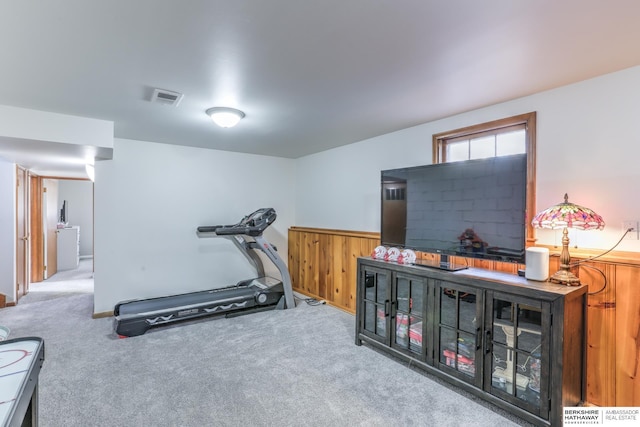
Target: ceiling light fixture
(225, 117)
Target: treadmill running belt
(137, 316)
(152, 305)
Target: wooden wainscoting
(322, 264)
(613, 325)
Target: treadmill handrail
(208, 228)
(230, 231)
(252, 225)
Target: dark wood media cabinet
(516, 343)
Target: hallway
(63, 283)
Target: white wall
(19, 123)
(587, 146)
(79, 196)
(51, 128)
(8, 230)
(150, 199)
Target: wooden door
(36, 245)
(22, 233)
(50, 214)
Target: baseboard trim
(102, 314)
(301, 296)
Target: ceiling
(309, 75)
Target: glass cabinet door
(514, 342)
(376, 303)
(459, 331)
(408, 318)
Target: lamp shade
(225, 117)
(568, 215)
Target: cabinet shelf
(479, 330)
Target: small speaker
(537, 264)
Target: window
(479, 145)
(512, 135)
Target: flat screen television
(473, 208)
(64, 215)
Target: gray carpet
(63, 284)
(280, 368)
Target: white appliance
(537, 267)
(68, 248)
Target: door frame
(51, 218)
(36, 223)
(22, 232)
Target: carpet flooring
(295, 367)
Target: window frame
(440, 141)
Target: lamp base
(565, 277)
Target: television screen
(473, 208)
(63, 213)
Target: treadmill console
(260, 219)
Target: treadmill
(135, 317)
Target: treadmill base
(135, 317)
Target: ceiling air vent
(166, 97)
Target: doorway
(59, 206)
(50, 225)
